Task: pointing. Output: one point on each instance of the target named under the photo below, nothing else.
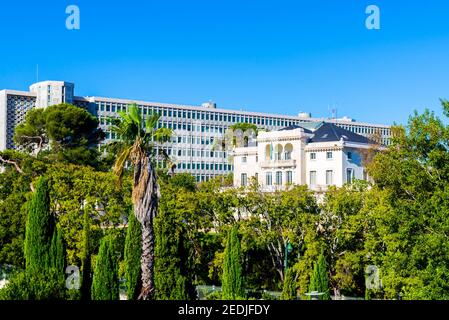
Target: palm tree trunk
(147, 262)
(146, 196)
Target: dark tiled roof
(330, 132)
(308, 127)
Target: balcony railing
(279, 164)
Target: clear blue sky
(272, 56)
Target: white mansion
(318, 154)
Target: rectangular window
(329, 177)
(289, 177)
(244, 159)
(269, 179)
(279, 178)
(312, 178)
(244, 180)
(313, 156)
(349, 175)
(328, 155)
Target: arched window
(278, 152)
(268, 152)
(245, 141)
(288, 149)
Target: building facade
(317, 154)
(195, 127)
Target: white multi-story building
(195, 127)
(317, 154)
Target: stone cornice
(263, 140)
(323, 148)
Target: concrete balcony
(278, 164)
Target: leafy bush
(34, 286)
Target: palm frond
(120, 162)
(163, 135)
(134, 115)
(151, 122)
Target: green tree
(232, 280)
(79, 190)
(409, 242)
(138, 144)
(57, 252)
(86, 282)
(105, 285)
(72, 134)
(44, 253)
(133, 252)
(279, 218)
(289, 289)
(174, 264)
(319, 280)
(343, 225)
(39, 230)
(14, 194)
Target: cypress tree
(289, 288)
(39, 230)
(85, 260)
(43, 248)
(105, 284)
(170, 281)
(133, 251)
(57, 252)
(232, 279)
(319, 279)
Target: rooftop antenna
(334, 113)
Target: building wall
(17, 104)
(3, 120)
(247, 163)
(51, 93)
(355, 163)
(321, 164)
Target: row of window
(204, 177)
(278, 175)
(198, 115)
(180, 126)
(330, 177)
(204, 166)
(329, 155)
(193, 140)
(365, 130)
(196, 153)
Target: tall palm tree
(137, 145)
